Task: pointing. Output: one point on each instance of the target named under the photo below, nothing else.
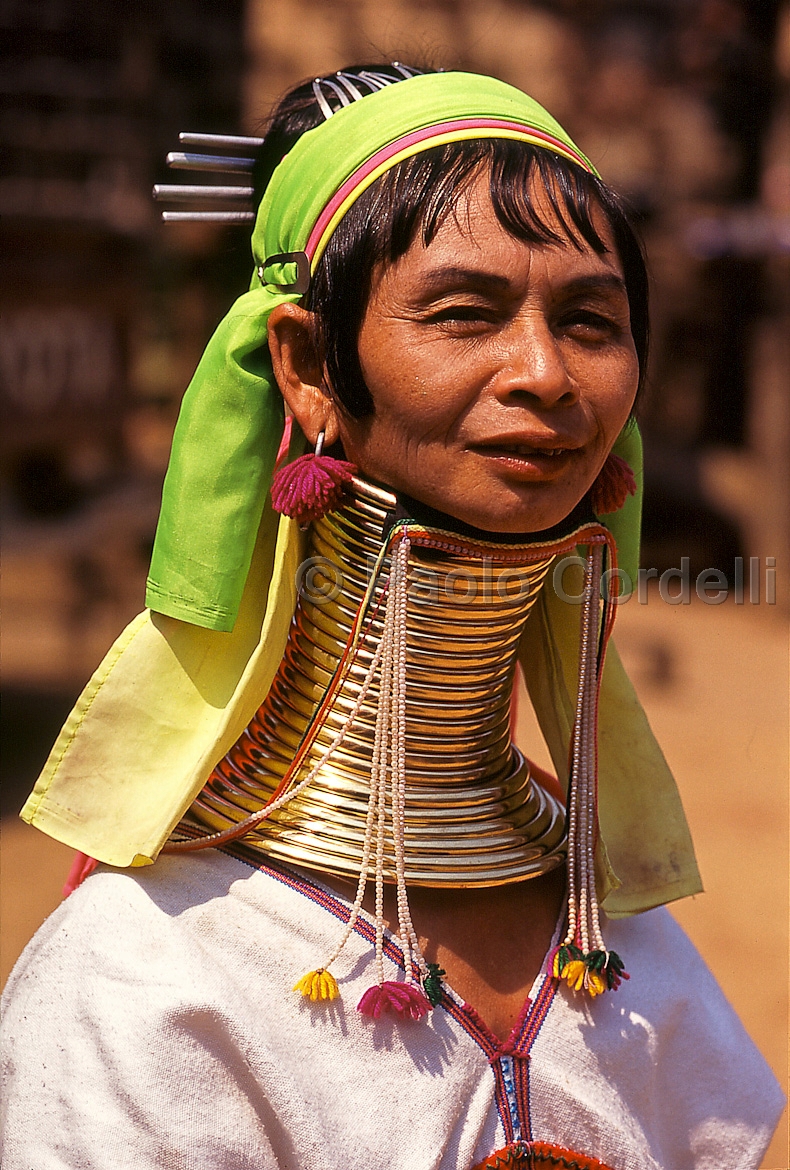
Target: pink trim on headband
(427, 132)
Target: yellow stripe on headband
(417, 148)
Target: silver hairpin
(346, 80)
(406, 70)
(334, 88)
(225, 164)
(211, 195)
(185, 193)
(323, 104)
(208, 216)
(376, 81)
(221, 141)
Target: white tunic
(150, 1025)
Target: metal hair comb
(345, 87)
(331, 93)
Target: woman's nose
(533, 368)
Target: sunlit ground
(714, 680)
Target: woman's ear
(299, 371)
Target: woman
(452, 306)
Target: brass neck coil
(473, 815)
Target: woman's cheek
(615, 400)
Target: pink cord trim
(422, 135)
(285, 443)
(81, 867)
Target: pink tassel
(404, 999)
(614, 484)
(310, 487)
(81, 867)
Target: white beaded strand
(412, 954)
(596, 938)
(582, 900)
(387, 776)
(587, 794)
(379, 768)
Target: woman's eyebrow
(596, 282)
(451, 276)
(455, 276)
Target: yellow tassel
(317, 985)
(574, 973)
(595, 983)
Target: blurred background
(684, 106)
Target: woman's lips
(525, 461)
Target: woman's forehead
(472, 245)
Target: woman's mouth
(525, 460)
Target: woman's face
(501, 372)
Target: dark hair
(416, 196)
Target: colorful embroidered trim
(517, 1046)
(535, 1155)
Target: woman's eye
(461, 313)
(587, 323)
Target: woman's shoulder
(671, 986)
(664, 1058)
(177, 925)
(661, 957)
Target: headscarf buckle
(302, 262)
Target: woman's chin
(510, 518)
(486, 503)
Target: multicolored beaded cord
(582, 959)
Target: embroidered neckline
(536, 1004)
(509, 1059)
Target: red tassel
(310, 487)
(614, 484)
(404, 999)
(81, 867)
